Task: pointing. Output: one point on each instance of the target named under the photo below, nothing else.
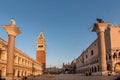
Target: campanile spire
(41, 50)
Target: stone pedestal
(12, 31)
(99, 28)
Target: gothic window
(109, 56)
(115, 55)
(92, 52)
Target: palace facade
(23, 65)
(102, 57)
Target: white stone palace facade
(102, 57)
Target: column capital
(100, 27)
(12, 29)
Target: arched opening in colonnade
(108, 67)
(18, 74)
(95, 69)
(117, 67)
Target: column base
(9, 76)
(104, 73)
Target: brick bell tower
(41, 51)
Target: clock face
(40, 46)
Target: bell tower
(41, 50)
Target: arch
(92, 69)
(117, 67)
(98, 68)
(18, 74)
(25, 73)
(108, 67)
(114, 55)
(21, 73)
(66, 69)
(119, 54)
(95, 69)
(109, 57)
(14, 72)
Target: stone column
(10, 55)
(12, 31)
(99, 28)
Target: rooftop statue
(99, 20)
(13, 21)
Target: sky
(66, 25)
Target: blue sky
(65, 24)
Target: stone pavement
(72, 77)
